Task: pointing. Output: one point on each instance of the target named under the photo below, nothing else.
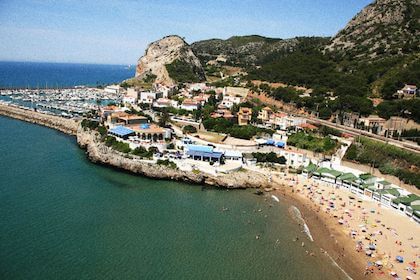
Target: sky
(118, 31)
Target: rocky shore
(98, 152)
(67, 126)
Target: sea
(63, 217)
(59, 75)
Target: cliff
(67, 126)
(169, 60)
(99, 153)
(383, 28)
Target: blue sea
(53, 75)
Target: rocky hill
(241, 50)
(169, 60)
(383, 28)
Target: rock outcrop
(67, 126)
(99, 153)
(159, 54)
(385, 27)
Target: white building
(190, 105)
(294, 159)
(148, 97)
(112, 89)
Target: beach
(345, 226)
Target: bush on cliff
(116, 145)
(269, 157)
(167, 163)
(89, 124)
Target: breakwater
(67, 126)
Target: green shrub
(167, 163)
(269, 157)
(189, 129)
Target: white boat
(275, 198)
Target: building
(127, 119)
(407, 92)
(222, 113)
(108, 110)
(190, 105)
(374, 124)
(229, 100)
(131, 97)
(203, 153)
(121, 132)
(244, 116)
(114, 89)
(151, 132)
(348, 119)
(265, 114)
(164, 103)
(148, 97)
(294, 159)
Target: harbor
(73, 102)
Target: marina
(70, 103)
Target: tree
(189, 129)
(164, 119)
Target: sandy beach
(363, 237)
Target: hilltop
(169, 60)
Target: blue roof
(199, 148)
(270, 142)
(217, 155)
(144, 126)
(280, 144)
(121, 131)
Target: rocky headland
(98, 152)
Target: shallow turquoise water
(62, 217)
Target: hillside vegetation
(373, 56)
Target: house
(131, 97)
(148, 97)
(127, 119)
(244, 116)
(407, 92)
(348, 119)
(222, 113)
(164, 103)
(229, 100)
(114, 89)
(108, 110)
(372, 124)
(294, 159)
(395, 125)
(190, 105)
(265, 114)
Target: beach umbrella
(409, 278)
(379, 263)
(372, 247)
(341, 221)
(393, 273)
(399, 259)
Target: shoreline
(327, 235)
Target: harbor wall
(67, 126)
